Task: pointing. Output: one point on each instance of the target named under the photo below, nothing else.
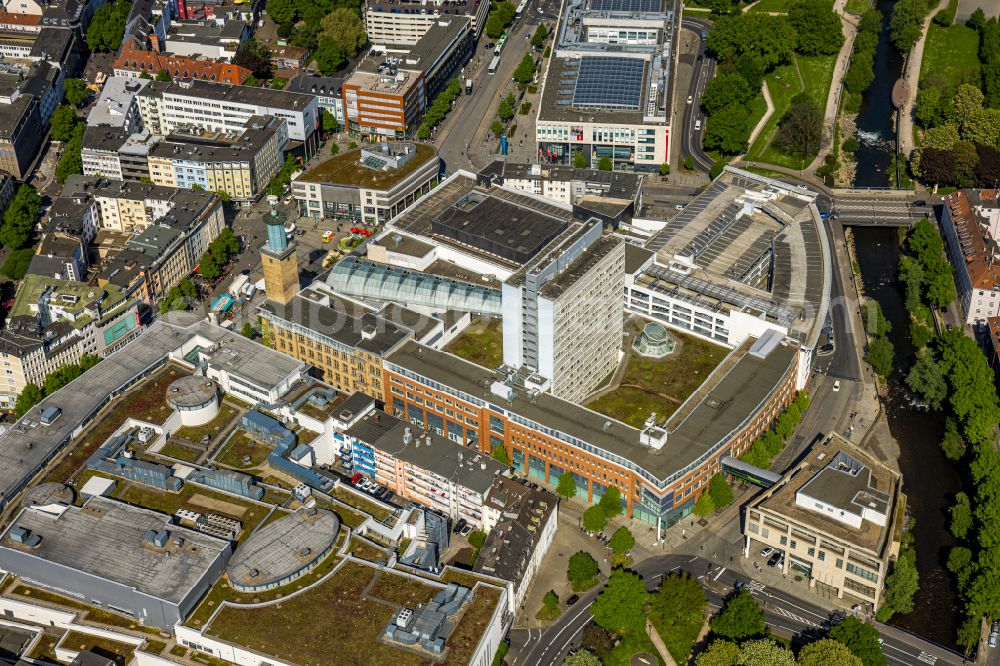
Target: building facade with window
(835, 517)
(970, 224)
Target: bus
(500, 43)
(494, 64)
(520, 9)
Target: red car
(356, 479)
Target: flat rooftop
(457, 463)
(699, 426)
(283, 547)
(247, 95)
(841, 489)
(346, 169)
(748, 243)
(104, 538)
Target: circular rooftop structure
(283, 550)
(196, 398)
(654, 340)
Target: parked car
(356, 479)
(919, 203)
(467, 530)
(766, 552)
(836, 386)
(697, 125)
(993, 639)
(690, 99)
(375, 489)
(679, 206)
(386, 495)
(572, 599)
(459, 525)
(775, 560)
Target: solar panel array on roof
(625, 5)
(373, 163)
(609, 83)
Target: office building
(422, 466)
(367, 186)
(214, 40)
(107, 553)
(21, 133)
(439, 54)
(383, 101)
(240, 164)
(116, 154)
(116, 106)
(329, 92)
(610, 196)
(132, 206)
(608, 90)
(970, 225)
(190, 103)
(835, 518)
(388, 22)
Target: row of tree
(906, 24)
(880, 352)
(750, 45)
(861, 73)
(32, 394)
(989, 55)
(225, 246)
(501, 15)
(718, 496)
(332, 30)
(107, 27)
(439, 109)
(772, 441)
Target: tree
(496, 128)
(704, 506)
(251, 81)
(20, 217)
(582, 571)
(902, 583)
(961, 516)
(906, 23)
(566, 485)
(719, 653)
(163, 75)
(597, 640)
(770, 40)
(721, 493)
(329, 122)
(982, 127)
(928, 107)
(582, 658)
(64, 121)
(726, 130)
(499, 18)
(71, 161)
(525, 69)
(329, 57)
(594, 519)
(282, 11)
(605, 164)
(952, 444)
(725, 89)
(345, 27)
(942, 137)
(580, 161)
(861, 639)
(550, 605)
(961, 566)
(15, 266)
(76, 92)
(740, 618)
(249, 331)
(970, 631)
(801, 128)
(880, 354)
(926, 379)
(541, 34)
(477, 539)
(506, 108)
(29, 396)
(611, 502)
(500, 455)
(622, 541)
(665, 169)
(765, 652)
(677, 610)
(827, 652)
(621, 605)
(107, 27)
(966, 101)
(817, 26)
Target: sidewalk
(849, 26)
(767, 114)
(911, 74)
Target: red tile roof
(133, 60)
(7, 18)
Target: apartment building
(399, 22)
(383, 102)
(329, 92)
(133, 63)
(421, 466)
(116, 107)
(112, 152)
(835, 517)
(55, 321)
(367, 186)
(21, 133)
(240, 164)
(608, 88)
(227, 108)
(562, 312)
(970, 224)
(131, 206)
(659, 470)
(205, 39)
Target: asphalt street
(786, 616)
(880, 212)
(702, 73)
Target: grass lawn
(784, 84)
(631, 645)
(240, 445)
(322, 413)
(146, 401)
(45, 648)
(857, 7)
(154, 647)
(771, 6)
(402, 590)
(179, 451)
(341, 622)
(951, 53)
(365, 550)
(660, 385)
(178, 650)
(76, 640)
(212, 428)
(376, 511)
(482, 345)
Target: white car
(836, 386)
(540, 10)
(766, 551)
(697, 125)
(690, 99)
